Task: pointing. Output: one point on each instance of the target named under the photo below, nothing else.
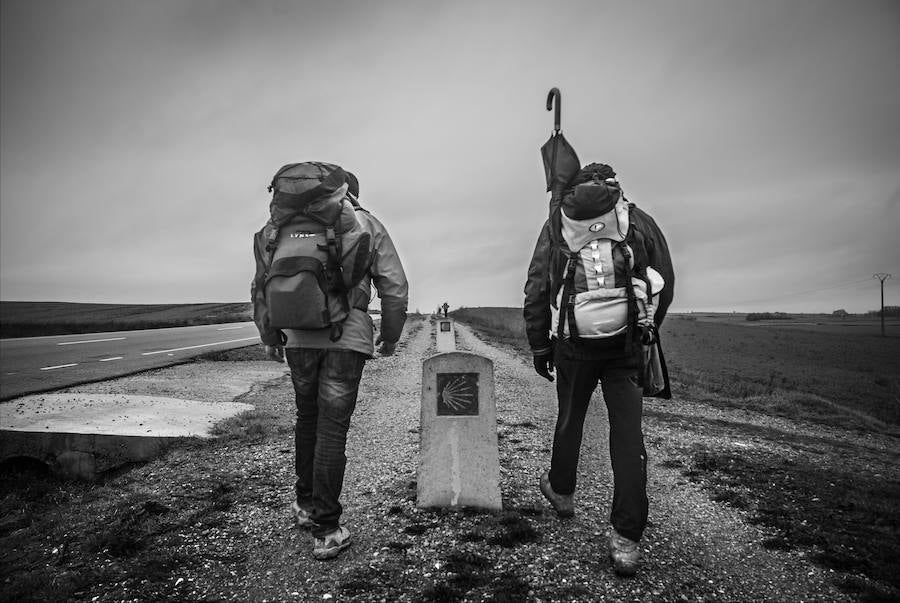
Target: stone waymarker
(445, 335)
(79, 435)
(458, 460)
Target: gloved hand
(275, 352)
(387, 347)
(543, 364)
(648, 335)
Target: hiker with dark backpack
(598, 288)
(316, 261)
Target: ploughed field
(34, 319)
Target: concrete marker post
(458, 456)
(445, 335)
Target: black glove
(648, 335)
(543, 364)
(387, 347)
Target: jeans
(326, 383)
(578, 371)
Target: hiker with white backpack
(598, 288)
(316, 261)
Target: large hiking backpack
(601, 284)
(316, 251)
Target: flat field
(32, 319)
(818, 323)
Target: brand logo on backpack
(596, 227)
(301, 235)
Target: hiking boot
(563, 503)
(303, 517)
(625, 554)
(332, 544)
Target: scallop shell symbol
(457, 394)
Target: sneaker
(625, 554)
(331, 545)
(303, 517)
(563, 503)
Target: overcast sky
(137, 139)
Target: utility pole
(882, 276)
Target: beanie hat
(593, 171)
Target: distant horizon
(673, 310)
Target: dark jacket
(539, 291)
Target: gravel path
(240, 543)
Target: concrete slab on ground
(98, 426)
(116, 414)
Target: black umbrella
(560, 160)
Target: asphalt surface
(37, 364)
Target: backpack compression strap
(336, 275)
(631, 327)
(567, 307)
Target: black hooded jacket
(539, 291)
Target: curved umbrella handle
(554, 93)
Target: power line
(882, 276)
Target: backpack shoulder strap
(334, 271)
(567, 304)
(271, 238)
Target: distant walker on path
(316, 261)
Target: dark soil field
(854, 324)
(34, 319)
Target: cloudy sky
(137, 139)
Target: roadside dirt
(210, 520)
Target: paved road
(34, 364)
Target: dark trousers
(326, 383)
(578, 370)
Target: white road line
(229, 328)
(108, 359)
(90, 341)
(202, 345)
(50, 368)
